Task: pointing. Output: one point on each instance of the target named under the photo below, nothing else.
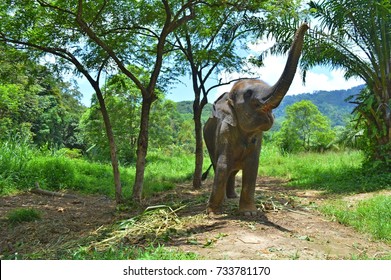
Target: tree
(356, 37)
(43, 28)
(210, 44)
(304, 128)
(122, 99)
(105, 35)
(123, 104)
(204, 49)
(35, 104)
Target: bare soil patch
(289, 226)
(63, 220)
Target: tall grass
(336, 172)
(14, 158)
(370, 216)
(165, 171)
(21, 166)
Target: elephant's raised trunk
(278, 91)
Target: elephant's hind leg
(219, 187)
(231, 193)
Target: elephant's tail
(205, 174)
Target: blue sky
(320, 78)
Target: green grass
(335, 172)
(21, 166)
(121, 252)
(371, 216)
(163, 172)
(23, 215)
(13, 164)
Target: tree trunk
(378, 128)
(113, 147)
(142, 148)
(199, 151)
(382, 150)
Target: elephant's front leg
(219, 186)
(247, 200)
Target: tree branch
(47, 5)
(99, 13)
(93, 36)
(227, 83)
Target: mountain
(332, 104)
(186, 108)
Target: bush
(52, 172)
(70, 153)
(23, 215)
(14, 158)
(304, 129)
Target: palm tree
(355, 35)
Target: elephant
(233, 134)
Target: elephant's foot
(249, 211)
(232, 194)
(213, 211)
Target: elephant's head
(250, 101)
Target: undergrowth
(23, 215)
(22, 166)
(334, 172)
(371, 216)
(122, 252)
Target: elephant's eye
(248, 94)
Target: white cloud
(321, 78)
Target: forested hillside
(185, 108)
(332, 104)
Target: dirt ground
(289, 226)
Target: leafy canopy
(304, 128)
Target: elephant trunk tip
(278, 91)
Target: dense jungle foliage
(136, 43)
(135, 136)
(48, 136)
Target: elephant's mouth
(258, 121)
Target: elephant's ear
(223, 109)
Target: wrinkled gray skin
(233, 135)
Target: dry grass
(155, 224)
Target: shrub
(14, 158)
(70, 153)
(53, 172)
(23, 215)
